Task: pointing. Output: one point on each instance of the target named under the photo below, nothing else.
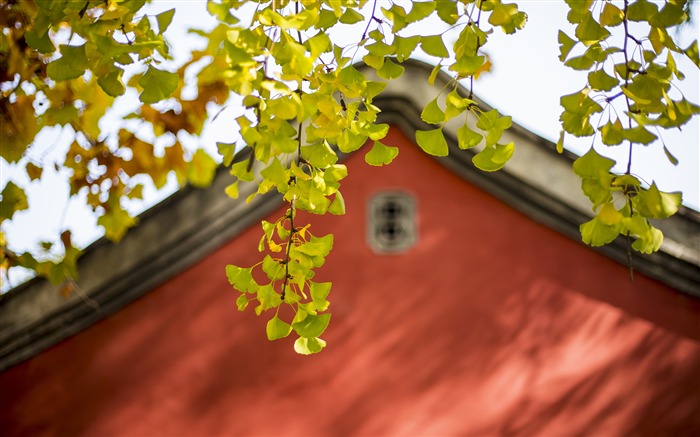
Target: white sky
(526, 82)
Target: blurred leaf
(13, 199)
(157, 85)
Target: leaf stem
(372, 18)
(627, 76)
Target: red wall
(492, 325)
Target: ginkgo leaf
(560, 142)
(164, 19)
(115, 223)
(432, 113)
(390, 70)
(493, 158)
(241, 279)
(308, 346)
(611, 133)
(349, 141)
(351, 16)
(157, 85)
(608, 214)
(201, 169)
(337, 206)
(566, 43)
(232, 190)
(447, 11)
(111, 83)
(420, 10)
(600, 80)
(72, 63)
(242, 302)
(653, 203)
(597, 233)
(434, 46)
(641, 10)
(467, 138)
(319, 292)
(639, 134)
(277, 328)
(650, 242)
(590, 31)
(42, 43)
(13, 199)
(493, 124)
(432, 142)
(405, 46)
(33, 171)
(467, 65)
(611, 15)
(672, 159)
(381, 154)
(591, 165)
(312, 326)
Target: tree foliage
(65, 62)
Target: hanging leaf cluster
(303, 100)
(625, 103)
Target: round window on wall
(391, 224)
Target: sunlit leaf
(277, 328)
(434, 46)
(467, 138)
(494, 157)
(432, 142)
(432, 113)
(308, 346)
(381, 154)
(597, 233)
(312, 326)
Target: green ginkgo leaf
(405, 46)
(157, 85)
(111, 83)
(277, 328)
(432, 113)
(493, 158)
(602, 81)
(432, 142)
(312, 326)
(72, 63)
(390, 70)
(381, 154)
(434, 46)
(566, 43)
(611, 133)
(164, 19)
(467, 138)
(597, 233)
(590, 31)
(611, 15)
(592, 165)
